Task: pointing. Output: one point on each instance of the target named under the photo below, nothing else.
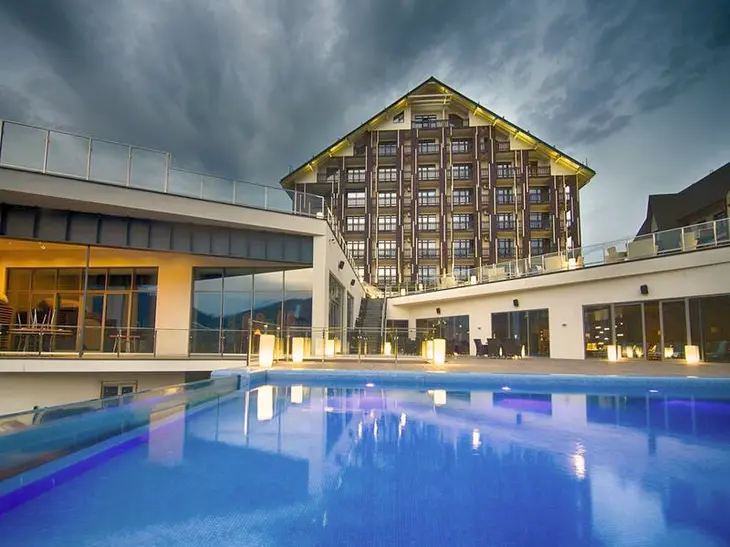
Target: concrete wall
(20, 391)
(564, 294)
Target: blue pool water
(303, 466)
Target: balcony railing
(428, 202)
(387, 177)
(707, 235)
(435, 124)
(425, 148)
(356, 177)
(51, 152)
(428, 253)
(463, 226)
(459, 174)
(539, 199)
(461, 147)
(428, 175)
(508, 172)
(505, 225)
(387, 253)
(428, 227)
(502, 146)
(387, 150)
(539, 171)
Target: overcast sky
(250, 88)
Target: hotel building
(436, 186)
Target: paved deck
(528, 366)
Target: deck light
(297, 349)
(387, 348)
(439, 351)
(329, 348)
(297, 394)
(429, 349)
(612, 353)
(692, 354)
(266, 350)
(439, 397)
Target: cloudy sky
(250, 88)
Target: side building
(706, 200)
(435, 186)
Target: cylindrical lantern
(297, 349)
(439, 351)
(668, 352)
(439, 397)
(266, 350)
(612, 352)
(297, 394)
(429, 349)
(692, 354)
(329, 348)
(387, 348)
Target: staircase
(370, 319)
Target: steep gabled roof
(584, 172)
(670, 210)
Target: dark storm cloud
(248, 89)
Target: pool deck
(525, 366)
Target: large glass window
(629, 330)
(530, 329)
(428, 223)
(387, 199)
(387, 249)
(427, 172)
(455, 329)
(356, 175)
(597, 330)
(463, 221)
(711, 327)
(428, 248)
(461, 171)
(119, 310)
(298, 297)
(463, 248)
(427, 198)
(355, 224)
(674, 322)
(356, 248)
(356, 199)
(387, 223)
(387, 174)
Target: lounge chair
(481, 348)
(493, 347)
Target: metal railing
(52, 152)
(705, 235)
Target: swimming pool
(397, 463)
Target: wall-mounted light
(439, 351)
(438, 311)
(644, 289)
(515, 303)
(341, 265)
(352, 282)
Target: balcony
(539, 171)
(459, 174)
(505, 253)
(428, 202)
(436, 124)
(355, 203)
(461, 201)
(461, 254)
(463, 226)
(508, 172)
(540, 199)
(428, 253)
(427, 148)
(463, 147)
(328, 178)
(355, 178)
(385, 150)
(506, 225)
(428, 227)
(502, 146)
(384, 178)
(428, 175)
(540, 225)
(387, 254)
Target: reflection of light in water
(476, 439)
(328, 409)
(375, 430)
(402, 420)
(370, 384)
(359, 430)
(265, 403)
(579, 462)
(506, 388)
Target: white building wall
(23, 391)
(564, 294)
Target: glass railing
(33, 438)
(58, 153)
(679, 240)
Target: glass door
(674, 321)
(116, 337)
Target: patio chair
(510, 348)
(493, 347)
(641, 248)
(481, 348)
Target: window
(387, 249)
(539, 195)
(462, 222)
(461, 146)
(463, 248)
(361, 272)
(461, 171)
(427, 172)
(427, 274)
(428, 146)
(428, 248)
(425, 121)
(539, 221)
(356, 199)
(387, 199)
(505, 196)
(356, 248)
(386, 223)
(387, 174)
(427, 223)
(387, 275)
(462, 272)
(113, 389)
(504, 248)
(530, 329)
(356, 175)
(505, 221)
(427, 197)
(462, 197)
(387, 149)
(504, 171)
(120, 309)
(355, 224)
(399, 118)
(539, 246)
